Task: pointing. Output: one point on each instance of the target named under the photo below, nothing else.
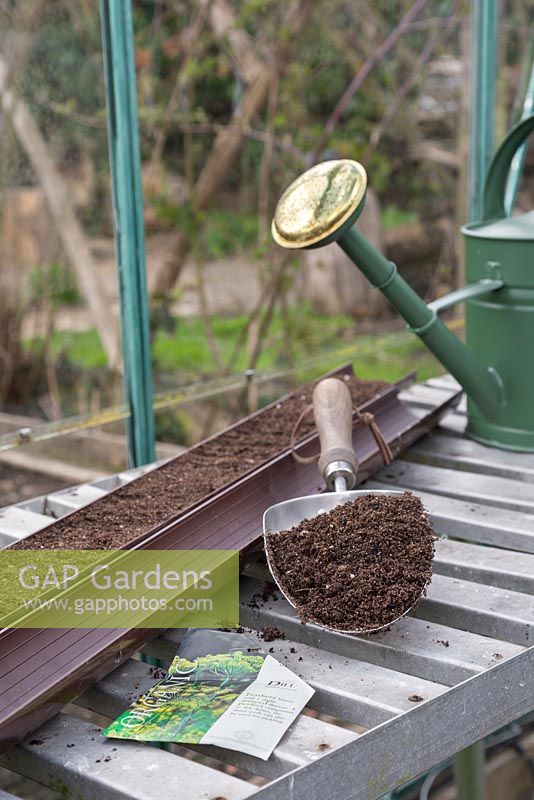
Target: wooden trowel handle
(332, 409)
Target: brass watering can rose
(319, 203)
(322, 205)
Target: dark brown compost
(358, 567)
(113, 521)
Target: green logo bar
(119, 588)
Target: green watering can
(496, 364)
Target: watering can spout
(320, 207)
(481, 382)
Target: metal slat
(480, 523)
(424, 391)
(16, 523)
(489, 565)
(450, 424)
(131, 474)
(490, 611)
(352, 690)
(306, 740)
(444, 381)
(485, 489)
(73, 758)
(60, 503)
(107, 483)
(37, 504)
(429, 397)
(427, 650)
(470, 456)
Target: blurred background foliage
(235, 99)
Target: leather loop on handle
(332, 409)
(368, 419)
(293, 440)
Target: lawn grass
(307, 342)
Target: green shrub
(54, 282)
(393, 216)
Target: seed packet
(220, 689)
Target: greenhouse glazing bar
(484, 18)
(123, 134)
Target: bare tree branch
(239, 45)
(430, 45)
(227, 146)
(387, 45)
(190, 36)
(70, 231)
(264, 175)
(432, 151)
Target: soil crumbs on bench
(115, 520)
(358, 567)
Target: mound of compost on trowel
(358, 567)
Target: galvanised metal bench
(398, 703)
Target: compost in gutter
(128, 512)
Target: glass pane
(56, 242)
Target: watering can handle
(495, 185)
(332, 409)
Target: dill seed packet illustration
(210, 670)
(220, 689)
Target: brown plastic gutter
(41, 670)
